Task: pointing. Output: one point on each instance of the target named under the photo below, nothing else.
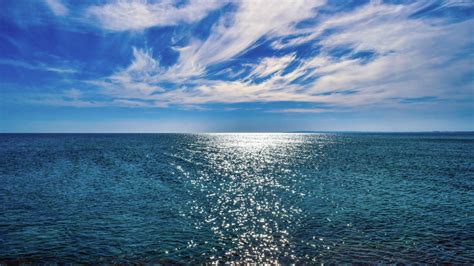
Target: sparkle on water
(275, 198)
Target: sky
(236, 66)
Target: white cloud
(272, 65)
(38, 66)
(137, 80)
(238, 31)
(457, 3)
(412, 58)
(73, 93)
(57, 7)
(301, 110)
(124, 15)
(232, 35)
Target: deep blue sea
(202, 198)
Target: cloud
(57, 7)
(239, 30)
(415, 57)
(38, 66)
(137, 80)
(387, 55)
(73, 93)
(272, 65)
(301, 110)
(138, 15)
(456, 3)
(76, 98)
(412, 58)
(234, 33)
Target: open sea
(204, 198)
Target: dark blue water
(197, 198)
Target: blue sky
(198, 66)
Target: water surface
(195, 198)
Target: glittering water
(196, 198)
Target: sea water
(202, 198)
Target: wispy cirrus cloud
(300, 110)
(238, 30)
(39, 66)
(387, 55)
(272, 65)
(123, 15)
(57, 7)
(373, 54)
(137, 79)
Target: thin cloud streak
(58, 8)
(387, 54)
(38, 66)
(412, 58)
(138, 15)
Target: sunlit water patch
(200, 198)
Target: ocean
(209, 198)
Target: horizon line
(252, 132)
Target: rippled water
(195, 198)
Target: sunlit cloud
(57, 7)
(388, 55)
(198, 53)
(138, 15)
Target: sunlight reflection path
(244, 181)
